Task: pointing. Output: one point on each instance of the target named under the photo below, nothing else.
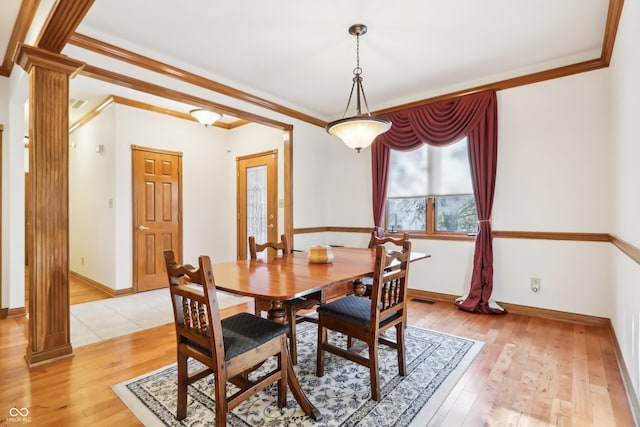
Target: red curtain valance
(441, 123)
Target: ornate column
(49, 74)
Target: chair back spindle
(390, 282)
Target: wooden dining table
(278, 279)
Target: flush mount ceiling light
(205, 117)
(358, 131)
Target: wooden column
(49, 74)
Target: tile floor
(100, 320)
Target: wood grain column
(49, 74)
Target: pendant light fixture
(358, 131)
(205, 117)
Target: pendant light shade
(358, 131)
(205, 117)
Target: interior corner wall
(91, 193)
(332, 187)
(625, 199)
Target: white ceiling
(299, 54)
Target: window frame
(430, 229)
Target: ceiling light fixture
(358, 131)
(205, 117)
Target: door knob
(142, 228)
(270, 226)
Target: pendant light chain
(357, 71)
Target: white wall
(4, 188)
(319, 176)
(553, 156)
(14, 93)
(92, 247)
(553, 175)
(625, 199)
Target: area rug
(435, 362)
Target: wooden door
(157, 213)
(257, 199)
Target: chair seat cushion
(295, 301)
(243, 332)
(351, 309)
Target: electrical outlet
(82, 261)
(535, 284)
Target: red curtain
(476, 117)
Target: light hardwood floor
(79, 290)
(530, 372)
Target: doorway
(157, 214)
(257, 187)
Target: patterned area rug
(435, 362)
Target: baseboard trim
(431, 296)
(102, 288)
(632, 397)
(542, 313)
(562, 316)
(47, 356)
(6, 313)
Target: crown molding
(164, 92)
(124, 55)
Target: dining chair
(367, 319)
(228, 348)
(292, 306)
(382, 238)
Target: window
(430, 190)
